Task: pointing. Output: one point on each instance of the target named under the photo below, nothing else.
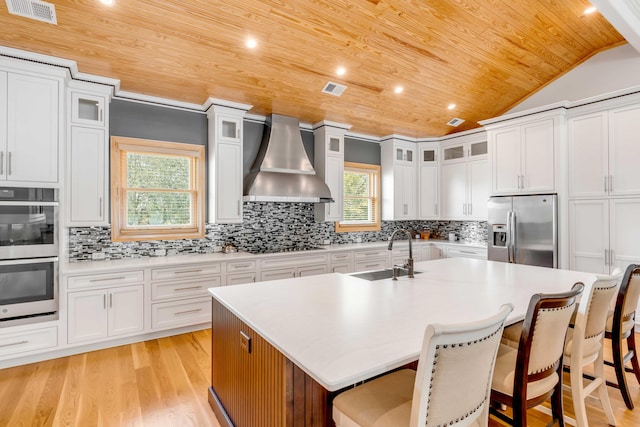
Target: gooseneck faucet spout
(408, 265)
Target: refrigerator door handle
(606, 257)
(512, 232)
(509, 233)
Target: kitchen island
(282, 349)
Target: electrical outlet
(326, 242)
(97, 256)
(358, 239)
(160, 252)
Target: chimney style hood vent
(282, 171)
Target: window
(157, 190)
(361, 198)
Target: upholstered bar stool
(584, 346)
(451, 386)
(620, 327)
(532, 373)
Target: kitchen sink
(387, 273)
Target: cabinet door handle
(606, 257)
(188, 288)
(100, 114)
(110, 300)
(611, 183)
(104, 301)
(9, 162)
(606, 183)
(188, 271)
(1, 162)
(107, 278)
(100, 206)
(470, 208)
(14, 343)
(178, 313)
(436, 206)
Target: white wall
(608, 71)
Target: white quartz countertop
(342, 329)
(90, 267)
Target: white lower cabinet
(298, 266)
(341, 262)
(603, 234)
(101, 313)
(437, 251)
(179, 295)
(173, 314)
(27, 341)
(240, 278)
(463, 252)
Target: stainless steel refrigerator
(524, 229)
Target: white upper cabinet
(624, 151)
(87, 180)
(88, 109)
(329, 166)
(588, 155)
(225, 162)
(603, 153)
(523, 157)
(428, 181)
(464, 172)
(31, 109)
(399, 179)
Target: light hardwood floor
(160, 382)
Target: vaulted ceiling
(483, 55)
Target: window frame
(372, 170)
(120, 232)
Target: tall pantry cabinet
(604, 187)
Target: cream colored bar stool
(532, 373)
(584, 346)
(451, 386)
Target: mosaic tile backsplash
(267, 227)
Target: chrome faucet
(408, 265)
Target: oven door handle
(28, 261)
(12, 203)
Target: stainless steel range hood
(282, 171)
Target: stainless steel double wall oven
(28, 253)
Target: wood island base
(254, 385)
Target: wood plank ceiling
(483, 55)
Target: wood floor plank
(161, 383)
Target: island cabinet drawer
(374, 264)
(292, 262)
(370, 254)
(26, 341)
(191, 288)
(341, 257)
(453, 251)
(241, 266)
(172, 314)
(105, 279)
(186, 271)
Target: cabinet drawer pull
(371, 253)
(242, 266)
(14, 343)
(188, 288)
(371, 265)
(467, 252)
(341, 256)
(108, 278)
(178, 313)
(188, 271)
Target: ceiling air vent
(455, 122)
(334, 88)
(34, 9)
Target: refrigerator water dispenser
(499, 233)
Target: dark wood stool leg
(618, 364)
(631, 344)
(556, 399)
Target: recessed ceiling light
(590, 10)
(341, 71)
(398, 89)
(107, 2)
(251, 43)
(451, 106)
